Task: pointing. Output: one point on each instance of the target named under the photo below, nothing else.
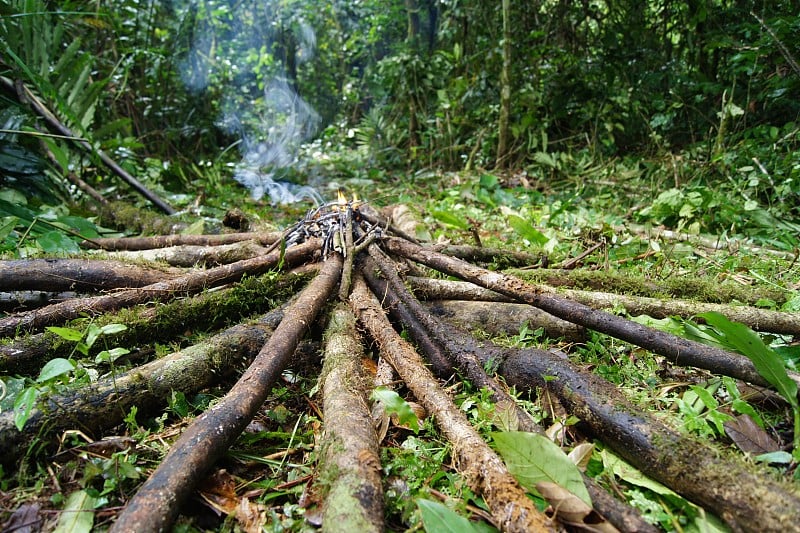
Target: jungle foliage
(697, 97)
(554, 125)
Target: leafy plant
(768, 363)
(393, 404)
(533, 458)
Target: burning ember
(340, 224)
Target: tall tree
(505, 89)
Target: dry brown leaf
(250, 516)
(218, 491)
(380, 420)
(749, 436)
(26, 519)
(581, 454)
(571, 510)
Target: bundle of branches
(361, 261)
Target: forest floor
(612, 232)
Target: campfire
(372, 276)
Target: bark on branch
(157, 503)
(349, 446)
(163, 241)
(77, 275)
(160, 291)
(677, 350)
(102, 405)
(482, 468)
(753, 317)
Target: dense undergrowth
(621, 128)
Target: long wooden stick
(163, 290)
(483, 470)
(157, 504)
(676, 349)
(349, 460)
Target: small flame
(342, 197)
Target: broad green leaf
(111, 355)
(79, 224)
(10, 388)
(110, 329)
(620, 468)
(23, 406)
(78, 515)
(7, 225)
(780, 457)
(533, 458)
(55, 242)
(446, 217)
(72, 335)
(705, 396)
(748, 343)
(526, 230)
(54, 368)
(393, 403)
(488, 181)
(93, 332)
(438, 518)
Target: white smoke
(271, 128)
(270, 146)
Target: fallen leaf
(78, 514)
(571, 510)
(218, 491)
(749, 437)
(250, 516)
(25, 519)
(581, 454)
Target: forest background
(569, 129)
(697, 99)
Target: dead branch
(25, 95)
(156, 505)
(77, 275)
(481, 467)
(189, 255)
(206, 311)
(163, 241)
(349, 448)
(160, 291)
(440, 289)
(731, 245)
(479, 254)
(676, 349)
(706, 289)
(19, 301)
(103, 404)
(504, 318)
(727, 486)
(754, 317)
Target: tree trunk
(503, 147)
